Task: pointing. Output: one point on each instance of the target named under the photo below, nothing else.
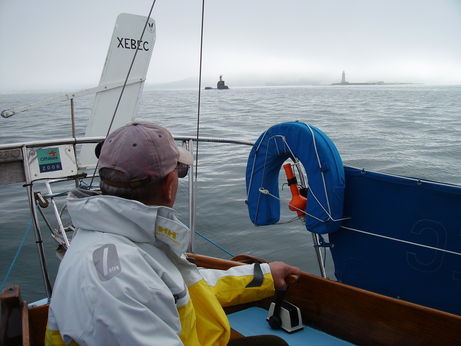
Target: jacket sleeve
(240, 284)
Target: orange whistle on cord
(297, 201)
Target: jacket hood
(132, 219)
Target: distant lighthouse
(345, 82)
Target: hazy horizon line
(192, 83)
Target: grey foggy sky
(60, 44)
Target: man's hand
(280, 271)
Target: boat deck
(252, 321)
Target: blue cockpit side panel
(414, 211)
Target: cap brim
(185, 156)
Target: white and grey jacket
(125, 280)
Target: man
(125, 279)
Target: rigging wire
(401, 240)
(15, 258)
(264, 191)
(124, 85)
(214, 243)
(198, 120)
(199, 89)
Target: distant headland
(344, 82)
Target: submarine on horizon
(221, 85)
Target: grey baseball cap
(142, 150)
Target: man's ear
(169, 189)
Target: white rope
(264, 167)
(327, 210)
(285, 141)
(321, 171)
(254, 163)
(283, 138)
(304, 181)
(275, 141)
(318, 202)
(267, 192)
(296, 218)
(262, 180)
(402, 241)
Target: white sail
(124, 44)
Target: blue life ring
(323, 166)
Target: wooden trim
(25, 324)
(38, 319)
(364, 317)
(347, 312)
(361, 316)
(235, 335)
(212, 262)
(10, 322)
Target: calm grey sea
(411, 130)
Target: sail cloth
(324, 170)
(124, 44)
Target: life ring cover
(323, 166)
